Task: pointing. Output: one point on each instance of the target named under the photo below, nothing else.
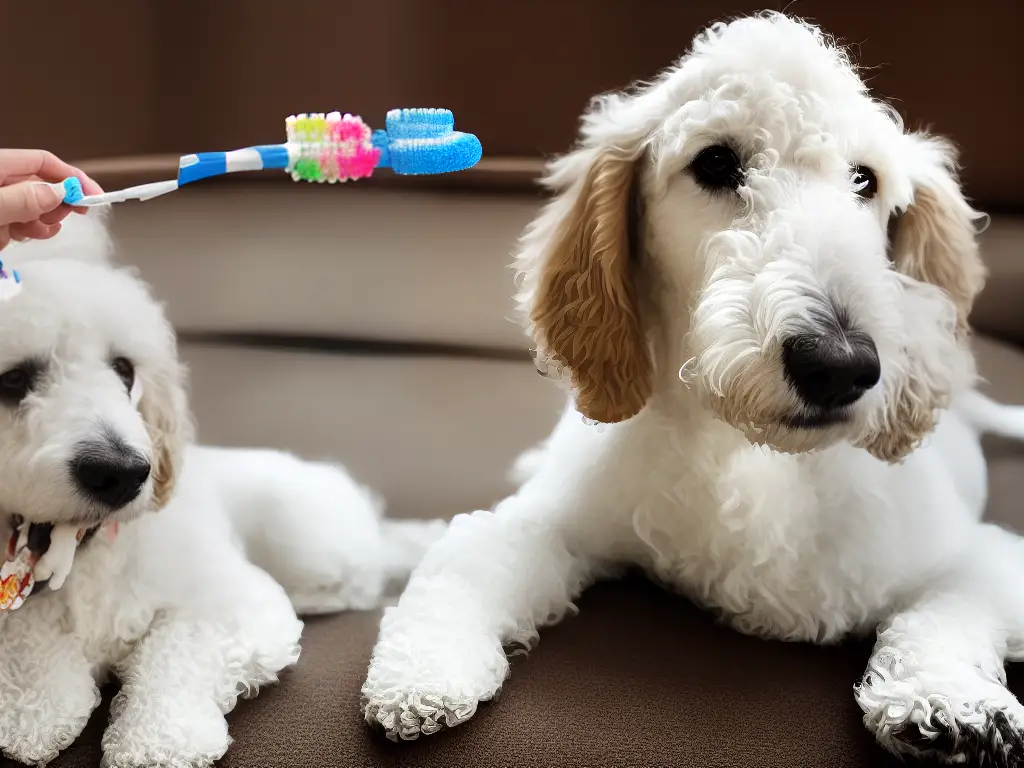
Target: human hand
(30, 209)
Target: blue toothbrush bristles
(418, 123)
(454, 152)
(72, 191)
(423, 141)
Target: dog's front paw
(952, 713)
(406, 715)
(40, 743)
(156, 735)
(422, 679)
(37, 725)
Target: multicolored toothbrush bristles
(336, 147)
(330, 148)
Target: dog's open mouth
(818, 418)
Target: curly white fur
(789, 530)
(191, 605)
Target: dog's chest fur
(99, 611)
(775, 542)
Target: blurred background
(139, 77)
(369, 323)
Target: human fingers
(27, 201)
(35, 162)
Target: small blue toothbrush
(324, 148)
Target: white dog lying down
(729, 225)
(190, 606)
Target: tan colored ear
(164, 410)
(584, 312)
(935, 239)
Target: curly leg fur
(47, 692)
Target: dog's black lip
(85, 521)
(818, 419)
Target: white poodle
(194, 561)
(756, 286)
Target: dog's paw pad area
(418, 715)
(996, 743)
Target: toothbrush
(323, 148)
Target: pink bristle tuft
(355, 155)
(359, 162)
(342, 149)
(352, 128)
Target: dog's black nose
(831, 372)
(109, 473)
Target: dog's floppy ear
(934, 242)
(164, 410)
(580, 299)
(935, 237)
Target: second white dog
(190, 605)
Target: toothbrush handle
(206, 164)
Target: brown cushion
(332, 261)
(1003, 367)
(997, 311)
(639, 678)
(434, 435)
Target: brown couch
(367, 323)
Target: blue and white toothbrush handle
(194, 167)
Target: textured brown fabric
(639, 678)
(194, 75)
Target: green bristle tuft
(307, 169)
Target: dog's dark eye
(17, 382)
(865, 183)
(717, 167)
(125, 370)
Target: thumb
(28, 200)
